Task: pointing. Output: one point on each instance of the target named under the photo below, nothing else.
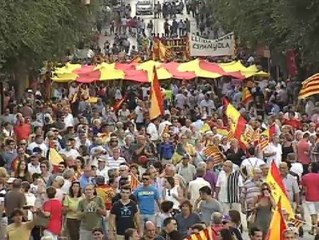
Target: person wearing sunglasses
(264, 204)
(147, 195)
(169, 225)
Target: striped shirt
(229, 187)
(250, 191)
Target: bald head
(150, 230)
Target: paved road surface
(158, 23)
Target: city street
(158, 23)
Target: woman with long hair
(22, 172)
(172, 192)
(264, 204)
(70, 206)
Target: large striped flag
(266, 136)
(206, 234)
(236, 121)
(214, 152)
(157, 100)
(278, 189)
(247, 96)
(155, 49)
(277, 225)
(310, 86)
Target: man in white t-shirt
(273, 151)
(251, 163)
(195, 185)
(152, 130)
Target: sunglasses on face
(265, 189)
(145, 179)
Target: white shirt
(42, 146)
(66, 186)
(139, 115)
(34, 168)
(70, 153)
(251, 163)
(169, 196)
(112, 163)
(194, 186)
(69, 120)
(162, 126)
(222, 184)
(152, 130)
(273, 149)
(30, 201)
(297, 168)
(104, 173)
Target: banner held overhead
(223, 46)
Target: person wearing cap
(102, 168)
(186, 169)
(38, 143)
(34, 164)
(68, 151)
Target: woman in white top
(172, 192)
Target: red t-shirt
(54, 207)
(295, 123)
(22, 132)
(302, 147)
(311, 182)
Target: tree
(280, 24)
(32, 31)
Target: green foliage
(35, 30)
(281, 24)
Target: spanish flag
(247, 96)
(54, 157)
(278, 189)
(309, 87)
(266, 136)
(119, 103)
(236, 121)
(277, 225)
(157, 100)
(206, 234)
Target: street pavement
(158, 23)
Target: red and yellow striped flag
(277, 225)
(297, 223)
(247, 96)
(165, 52)
(213, 152)
(155, 49)
(278, 189)
(157, 100)
(309, 87)
(266, 136)
(206, 234)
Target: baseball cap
(226, 218)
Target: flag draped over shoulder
(206, 234)
(310, 86)
(266, 136)
(278, 189)
(247, 96)
(277, 225)
(157, 100)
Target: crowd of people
(122, 175)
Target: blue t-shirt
(146, 198)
